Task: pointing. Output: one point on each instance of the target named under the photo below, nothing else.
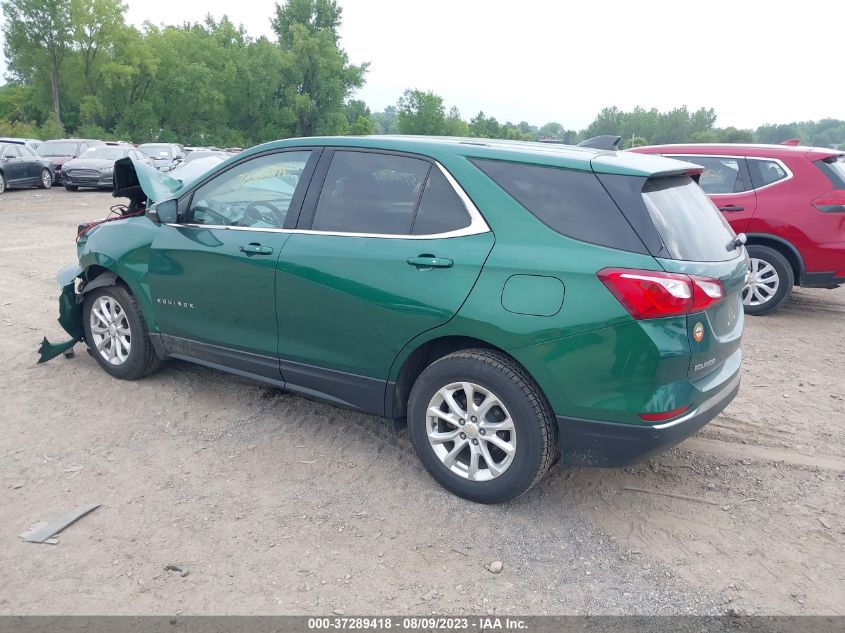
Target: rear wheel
(117, 334)
(481, 426)
(46, 179)
(771, 281)
(71, 188)
(2, 183)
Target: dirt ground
(278, 505)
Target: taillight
(650, 294)
(706, 292)
(831, 202)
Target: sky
(754, 61)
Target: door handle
(424, 262)
(254, 248)
(730, 208)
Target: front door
(387, 249)
(727, 181)
(212, 276)
(14, 167)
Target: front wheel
(46, 179)
(771, 281)
(117, 334)
(2, 183)
(481, 426)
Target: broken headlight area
(70, 314)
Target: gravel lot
(278, 505)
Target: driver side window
(254, 194)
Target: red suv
(790, 202)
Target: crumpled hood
(144, 184)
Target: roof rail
(606, 141)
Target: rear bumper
(608, 444)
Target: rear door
(726, 179)
(388, 246)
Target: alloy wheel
(46, 179)
(2, 184)
(763, 285)
(110, 330)
(471, 431)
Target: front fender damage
(70, 314)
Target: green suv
(510, 302)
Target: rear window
(834, 169)
(573, 203)
(690, 225)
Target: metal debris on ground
(43, 532)
(183, 571)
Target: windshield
(58, 148)
(691, 226)
(156, 151)
(199, 154)
(105, 153)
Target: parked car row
(77, 163)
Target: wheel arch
(784, 247)
(96, 275)
(399, 389)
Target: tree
(38, 33)
(421, 113)
(319, 76)
(385, 122)
(480, 126)
(361, 127)
(97, 26)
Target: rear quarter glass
(834, 169)
(571, 202)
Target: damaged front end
(144, 187)
(70, 314)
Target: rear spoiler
(606, 141)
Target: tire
(2, 183)
(46, 179)
(771, 283)
(71, 188)
(141, 359)
(534, 438)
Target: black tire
(786, 280)
(71, 188)
(2, 183)
(537, 448)
(142, 359)
(49, 179)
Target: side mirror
(166, 212)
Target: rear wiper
(735, 243)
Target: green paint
(359, 304)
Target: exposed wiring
(118, 209)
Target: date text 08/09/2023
(418, 623)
